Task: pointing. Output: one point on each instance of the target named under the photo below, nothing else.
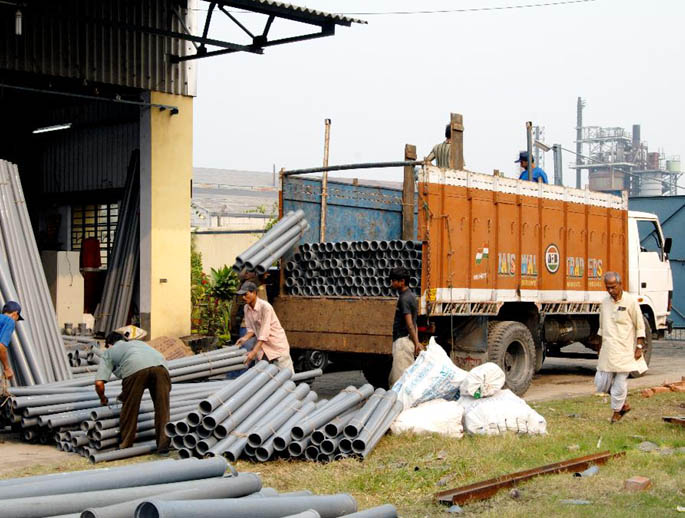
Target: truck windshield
(650, 238)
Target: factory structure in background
(619, 160)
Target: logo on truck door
(552, 258)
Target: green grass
(406, 470)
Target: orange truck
(511, 272)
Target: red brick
(660, 390)
(677, 388)
(637, 483)
(647, 393)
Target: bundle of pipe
(82, 353)
(37, 352)
(273, 244)
(266, 415)
(112, 311)
(63, 412)
(352, 268)
(169, 488)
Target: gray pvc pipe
(233, 487)
(379, 432)
(297, 448)
(312, 452)
(250, 405)
(238, 399)
(329, 445)
(263, 415)
(328, 506)
(353, 397)
(282, 438)
(39, 506)
(262, 432)
(286, 221)
(382, 511)
(351, 430)
(336, 426)
(147, 473)
(210, 404)
(374, 421)
(273, 246)
(310, 513)
(264, 265)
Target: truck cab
(650, 276)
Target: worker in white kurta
(622, 333)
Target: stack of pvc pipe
(83, 354)
(265, 415)
(112, 311)
(63, 412)
(352, 268)
(273, 244)
(189, 488)
(37, 353)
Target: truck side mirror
(668, 242)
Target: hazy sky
(395, 81)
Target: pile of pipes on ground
(188, 488)
(38, 354)
(264, 414)
(273, 244)
(352, 268)
(69, 413)
(112, 311)
(83, 353)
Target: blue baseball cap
(11, 306)
(523, 157)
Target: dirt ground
(559, 379)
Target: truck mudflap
(354, 325)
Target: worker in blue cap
(538, 174)
(11, 313)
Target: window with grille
(99, 221)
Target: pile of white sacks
(439, 397)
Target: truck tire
(314, 359)
(511, 346)
(377, 371)
(647, 350)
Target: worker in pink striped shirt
(261, 322)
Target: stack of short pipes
(69, 413)
(112, 311)
(188, 488)
(264, 414)
(274, 244)
(351, 268)
(83, 354)
(37, 352)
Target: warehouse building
(92, 92)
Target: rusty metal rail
(487, 488)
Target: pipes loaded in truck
(511, 271)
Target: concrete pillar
(166, 167)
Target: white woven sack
(436, 416)
(499, 413)
(483, 381)
(431, 376)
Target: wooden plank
(408, 195)
(457, 141)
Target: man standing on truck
(441, 152)
(261, 322)
(538, 174)
(622, 337)
(405, 337)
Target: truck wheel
(315, 360)
(377, 371)
(511, 346)
(647, 350)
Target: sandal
(626, 408)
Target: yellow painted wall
(221, 249)
(171, 168)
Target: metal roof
(292, 12)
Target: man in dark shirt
(405, 345)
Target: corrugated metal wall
(95, 41)
(671, 212)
